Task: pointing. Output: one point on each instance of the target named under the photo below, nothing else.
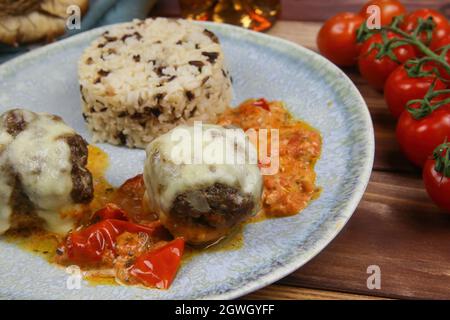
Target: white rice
(143, 78)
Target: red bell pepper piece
(110, 211)
(129, 197)
(87, 246)
(262, 103)
(158, 268)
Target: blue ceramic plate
(262, 66)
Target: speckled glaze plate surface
(314, 90)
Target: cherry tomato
(388, 10)
(419, 138)
(399, 88)
(443, 72)
(376, 71)
(337, 39)
(158, 268)
(437, 183)
(444, 41)
(440, 30)
(437, 186)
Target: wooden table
(395, 226)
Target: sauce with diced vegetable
(291, 189)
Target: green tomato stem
(441, 155)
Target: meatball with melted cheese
(202, 181)
(42, 170)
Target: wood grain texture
(282, 292)
(310, 10)
(395, 226)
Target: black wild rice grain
(211, 35)
(122, 138)
(198, 64)
(189, 95)
(212, 56)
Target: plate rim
(363, 178)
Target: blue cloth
(100, 13)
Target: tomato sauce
(291, 189)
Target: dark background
(314, 10)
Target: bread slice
(30, 21)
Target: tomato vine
(429, 103)
(385, 49)
(441, 155)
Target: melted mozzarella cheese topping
(5, 184)
(40, 157)
(189, 157)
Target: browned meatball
(202, 202)
(82, 191)
(221, 206)
(42, 167)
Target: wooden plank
(282, 292)
(307, 10)
(395, 227)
